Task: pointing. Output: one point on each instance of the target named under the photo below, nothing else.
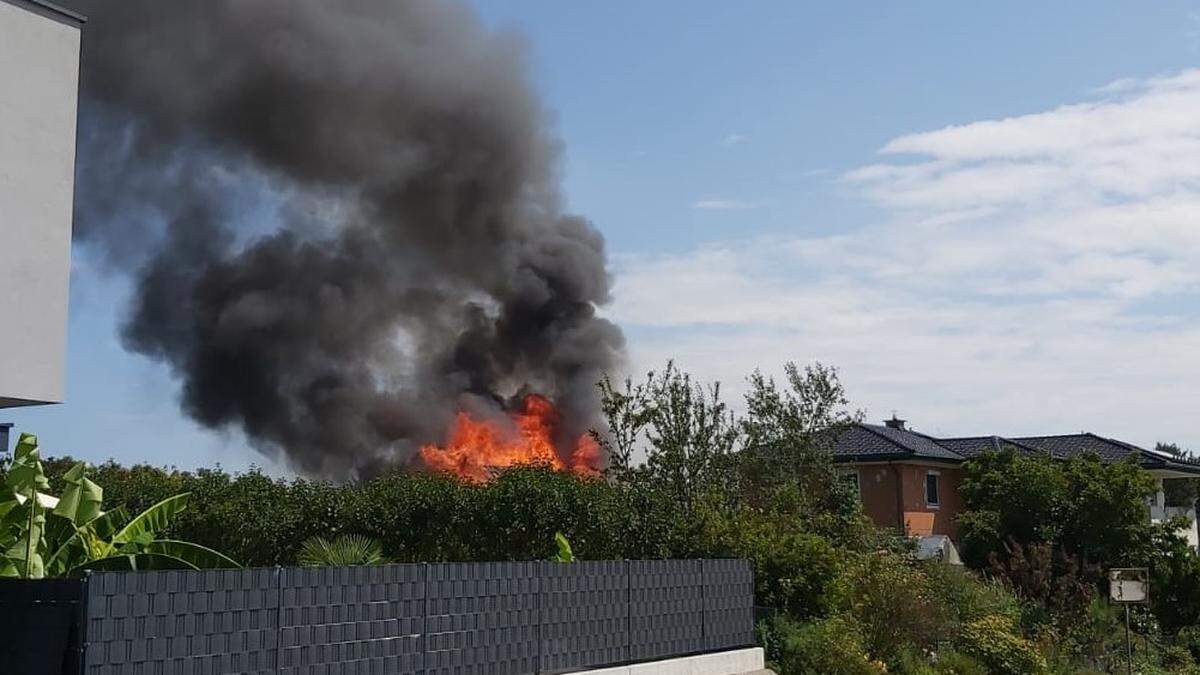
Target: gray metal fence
(436, 619)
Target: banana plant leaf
(24, 521)
(131, 563)
(27, 547)
(25, 476)
(564, 554)
(90, 541)
(80, 501)
(153, 520)
(195, 555)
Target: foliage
(1189, 638)
(346, 549)
(1087, 508)
(688, 430)
(42, 535)
(1046, 575)
(790, 432)
(1175, 585)
(831, 646)
(894, 603)
(994, 641)
(564, 553)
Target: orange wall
(877, 485)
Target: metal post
(1128, 645)
(278, 579)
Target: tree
(688, 431)
(790, 432)
(1088, 508)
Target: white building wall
(1160, 512)
(39, 85)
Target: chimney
(895, 423)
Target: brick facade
(893, 494)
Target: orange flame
(476, 448)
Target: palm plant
(346, 549)
(42, 535)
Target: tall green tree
(790, 431)
(1089, 508)
(688, 432)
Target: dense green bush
(995, 642)
(895, 604)
(831, 645)
(1087, 508)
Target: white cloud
(725, 205)
(1030, 274)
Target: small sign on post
(1129, 585)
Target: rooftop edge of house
(900, 443)
(50, 11)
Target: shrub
(894, 603)
(969, 596)
(1175, 585)
(954, 662)
(1189, 638)
(832, 646)
(994, 641)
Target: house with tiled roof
(910, 480)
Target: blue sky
(987, 217)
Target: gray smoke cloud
(344, 220)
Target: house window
(931, 489)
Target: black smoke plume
(344, 220)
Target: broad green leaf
(80, 501)
(196, 555)
(139, 561)
(26, 545)
(153, 520)
(25, 476)
(564, 555)
(91, 541)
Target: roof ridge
(1078, 433)
(876, 429)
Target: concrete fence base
(732, 662)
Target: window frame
(937, 488)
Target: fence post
(703, 610)
(629, 611)
(83, 622)
(541, 572)
(278, 576)
(425, 621)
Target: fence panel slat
(666, 608)
(223, 622)
(482, 618)
(584, 615)
(497, 618)
(349, 620)
(728, 604)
